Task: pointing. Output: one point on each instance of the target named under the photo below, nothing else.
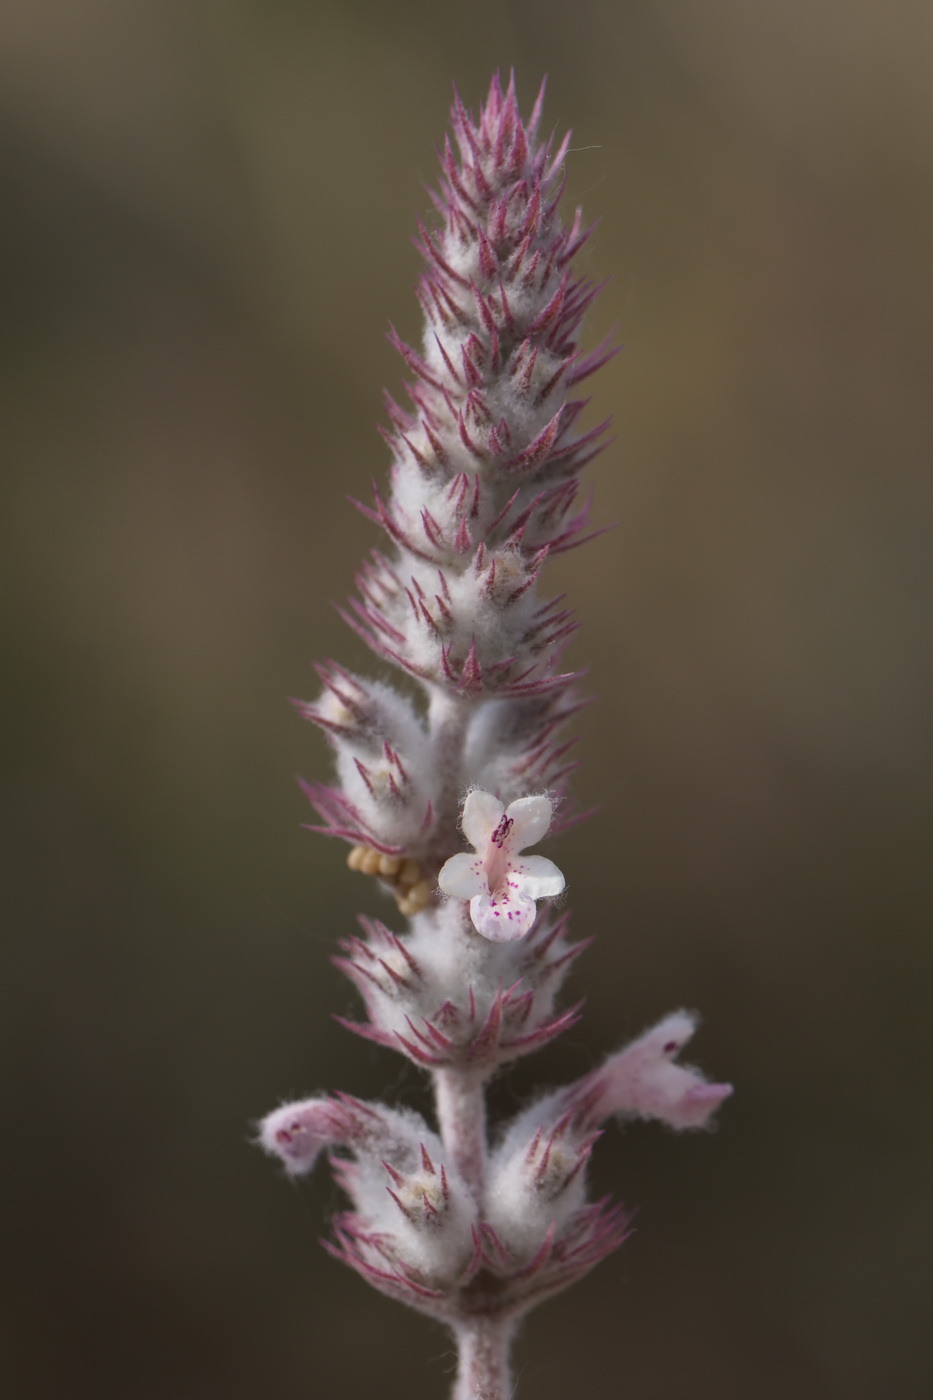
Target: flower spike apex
(502, 889)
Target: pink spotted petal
(503, 917)
(536, 877)
(463, 876)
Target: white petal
(463, 876)
(481, 815)
(536, 877)
(532, 817)
(502, 919)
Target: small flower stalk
(473, 1227)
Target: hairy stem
(460, 1101)
(483, 1370)
(448, 718)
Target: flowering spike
(483, 491)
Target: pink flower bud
(297, 1132)
(643, 1081)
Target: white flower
(501, 888)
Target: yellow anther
(410, 873)
(419, 896)
(370, 862)
(405, 877)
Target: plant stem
(460, 1102)
(483, 1370)
(448, 718)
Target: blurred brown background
(207, 213)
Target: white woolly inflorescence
(483, 489)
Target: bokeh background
(207, 212)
